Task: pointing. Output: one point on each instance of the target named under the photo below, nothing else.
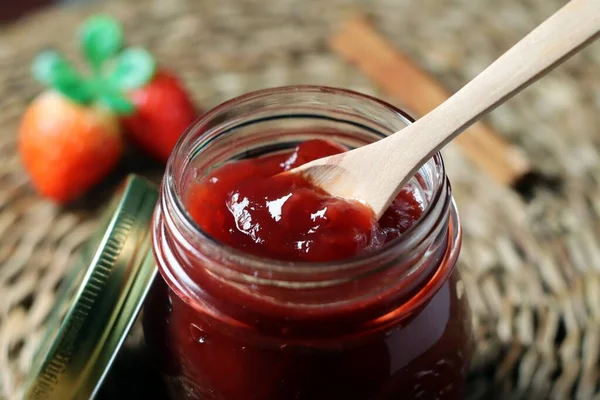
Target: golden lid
(101, 305)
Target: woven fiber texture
(531, 265)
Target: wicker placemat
(532, 268)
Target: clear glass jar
(225, 325)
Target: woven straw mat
(531, 265)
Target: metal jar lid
(101, 301)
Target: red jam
(241, 342)
(251, 206)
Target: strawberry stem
(114, 70)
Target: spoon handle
(403, 153)
(557, 38)
(377, 172)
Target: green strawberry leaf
(52, 69)
(48, 65)
(117, 103)
(74, 89)
(133, 69)
(101, 38)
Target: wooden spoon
(375, 174)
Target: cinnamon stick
(395, 73)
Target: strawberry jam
(271, 289)
(249, 205)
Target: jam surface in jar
(236, 345)
(251, 206)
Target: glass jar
(225, 325)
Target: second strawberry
(163, 110)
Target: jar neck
(235, 287)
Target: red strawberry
(163, 110)
(67, 147)
(70, 137)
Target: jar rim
(404, 242)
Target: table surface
(531, 265)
